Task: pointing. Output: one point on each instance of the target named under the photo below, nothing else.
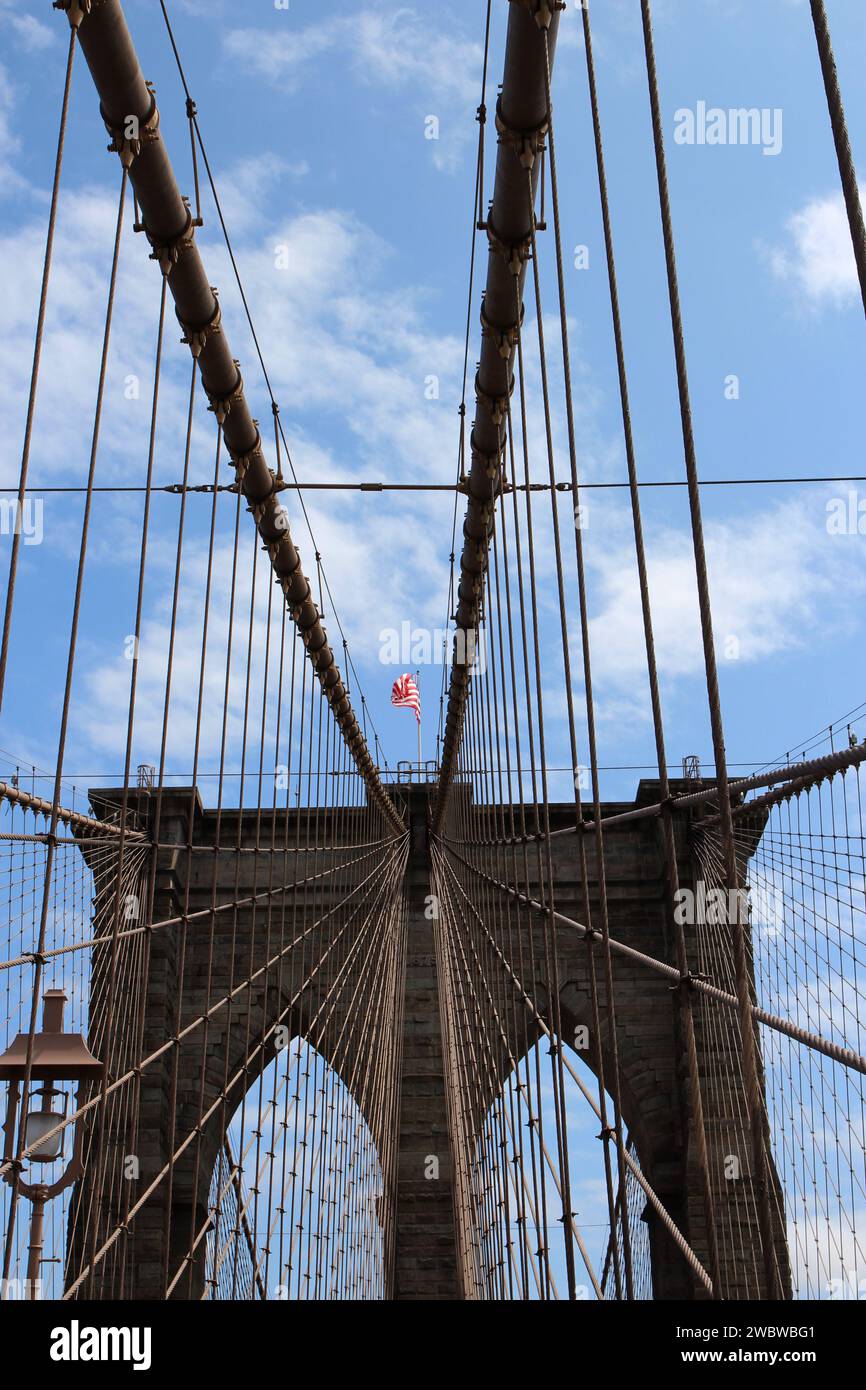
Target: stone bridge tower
(425, 1261)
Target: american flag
(405, 695)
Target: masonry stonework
(426, 1261)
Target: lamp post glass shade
(42, 1121)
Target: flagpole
(417, 682)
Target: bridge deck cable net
(318, 1034)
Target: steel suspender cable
(842, 141)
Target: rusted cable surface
(842, 141)
(37, 359)
(28, 801)
(521, 120)
(672, 870)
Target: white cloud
(72, 341)
(391, 50)
(32, 35)
(817, 257)
(10, 180)
(348, 353)
(776, 579)
(570, 33)
(244, 186)
(282, 57)
(344, 355)
(399, 49)
(396, 48)
(26, 31)
(342, 348)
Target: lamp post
(56, 1057)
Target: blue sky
(315, 128)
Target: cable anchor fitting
(493, 463)
(134, 131)
(241, 463)
(687, 981)
(514, 253)
(542, 11)
(221, 406)
(505, 338)
(168, 253)
(196, 337)
(75, 10)
(496, 406)
(525, 143)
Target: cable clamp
(221, 407)
(525, 143)
(514, 253)
(242, 463)
(289, 577)
(76, 10)
(505, 338)
(196, 337)
(541, 10)
(687, 981)
(279, 520)
(496, 406)
(168, 253)
(492, 462)
(298, 610)
(134, 131)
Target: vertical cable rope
(37, 359)
(747, 1040)
(842, 141)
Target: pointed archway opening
(537, 1156)
(296, 1200)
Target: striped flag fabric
(405, 694)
